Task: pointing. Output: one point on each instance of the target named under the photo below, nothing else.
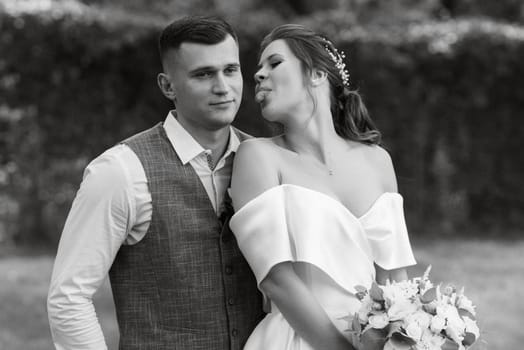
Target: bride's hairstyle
(350, 116)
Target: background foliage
(442, 79)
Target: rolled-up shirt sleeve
(102, 213)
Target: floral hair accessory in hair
(338, 59)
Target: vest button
(231, 301)
(234, 332)
(229, 270)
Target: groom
(152, 212)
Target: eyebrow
(213, 68)
(268, 58)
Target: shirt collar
(185, 145)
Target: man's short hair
(208, 30)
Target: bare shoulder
(255, 146)
(255, 170)
(379, 155)
(382, 162)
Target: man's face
(207, 83)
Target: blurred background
(443, 79)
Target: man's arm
(96, 227)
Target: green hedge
(448, 97)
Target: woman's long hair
(350, 116)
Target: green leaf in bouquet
(429, 296)
(449, 345)
(373, 339)
(464, 312)
(392, 345)
(377, 312)
(394, 327)
(430, 308)
(402, 338)
(469, 339)
(376, 292)
(397, 343)
(355, 324)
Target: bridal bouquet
(414, 315)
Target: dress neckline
(330, 198)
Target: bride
(317, 208)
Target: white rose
(409, 287)
(471, 327)
(431, 340)
(420, 317)
(437, 323)
(454, 334)
(399, 291)
(400, 310)
(378, 321)
(414, 331)
(447, 311)
(392, 293)
(455, 325)
(455, 321)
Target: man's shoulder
(119, 156)
(144, 134)
(112, 171)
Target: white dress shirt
(113, 207)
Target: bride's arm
(398, 275)
(389, 183)
(301, 309)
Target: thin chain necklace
(325, 166)
(329, 164)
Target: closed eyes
(274, 64)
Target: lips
(221, 103)
(261, 94)
(261, 88)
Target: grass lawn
(491, 271)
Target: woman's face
(280, 88)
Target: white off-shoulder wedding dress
(332, 251)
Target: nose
(220, 85)
(260, 76)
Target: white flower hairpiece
(338, 59)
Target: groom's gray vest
(185, 285)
